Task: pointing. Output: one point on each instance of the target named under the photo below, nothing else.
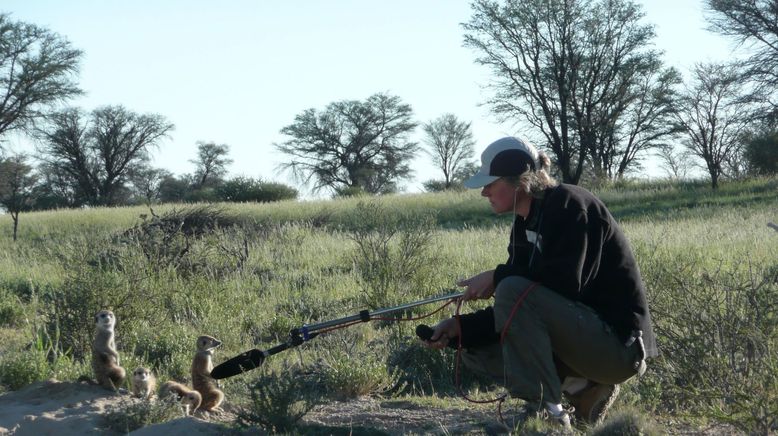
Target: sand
(65, 408)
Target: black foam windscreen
(425, 332)
(239, 364)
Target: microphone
(425, 332)
(239, 364)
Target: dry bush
(718, 331)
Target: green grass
(290, 263)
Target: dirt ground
(67, 408)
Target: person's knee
(507, 295)
(511, 288)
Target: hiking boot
(592, 402)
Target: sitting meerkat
(189, 398)
(105, 359)
(202, 382)
(143, 383)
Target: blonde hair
(534, 182)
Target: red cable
(501, 399)
(515, 308)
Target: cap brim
(479, 181)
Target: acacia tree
(16, 187)
(352, 145)
(37, 69)
(714, 115)
(676, 163)
(211, 163)
(753, 23)
(577, 70)
(637, 120)
(450, 145)
(147, 182)
(96, 154)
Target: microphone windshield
(239, 364)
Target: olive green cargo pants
(548, 327)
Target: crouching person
(570, 314)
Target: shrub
(427, 372)
(22, 288)
(279, 399)
(202, 195)
(20, 368)
(11, 310)
(627, 423)
(356, 372)
(246, 189)
(169, 348)
(392, 254)
(719, 332)
(131, 414)
(440, 186)
(88, 285)
(170, 239)
(350, 191)
(70, 310)
(173, 189)
(762, 154)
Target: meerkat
(105, 359)
(143, 383)
(202, 382)
(190, 399)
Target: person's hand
(480, 286)
(442, 333)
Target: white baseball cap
(504, 157)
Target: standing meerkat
(190, 400)
(105, 359)
(143, 383)
(201, 374)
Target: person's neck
(523, 205)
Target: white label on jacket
(534, 238)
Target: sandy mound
(64, 408)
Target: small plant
(168, 348)
(427, 371)
(11, 310)
(627, 423)
(357, 372)
(131, 414)
(20, 368)
(279, 399)
(392, 251)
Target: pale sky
(237, 72)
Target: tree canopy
(753, 23)
(450, 145)
(96, 153)
(211, 163)
(714, 115)
(38, 68)
(16, 186)
(352, 144)
(581, 72)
